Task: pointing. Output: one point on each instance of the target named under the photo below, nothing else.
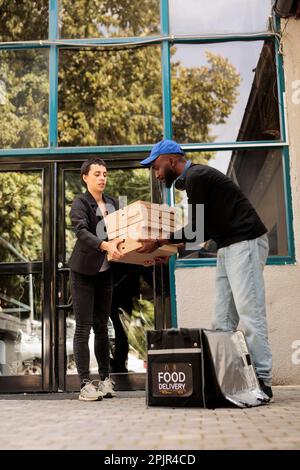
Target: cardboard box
(154, 215)
(141, 230)
(128, 247)
(141, 220)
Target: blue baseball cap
(163, 147)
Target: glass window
(259, 174)
(20, 216)
(73, 188)
(21, 325)
(134, 185)
(23, 20)
(24, 97)
(110, 97)
(108, 18)
(219, 16)
(224, 92)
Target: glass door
(138, 291)
(25, 253)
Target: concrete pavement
(63, 422)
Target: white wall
(195, 301)
(195, 286)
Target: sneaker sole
(89, 399)
(109, 395)
(268, 400)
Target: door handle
(65, 306)
(69, 306)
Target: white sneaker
(90, 392)
(107, 388)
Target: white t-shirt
(106, 264)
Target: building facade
(110, 78)
(282, 279)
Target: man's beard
(170, 177)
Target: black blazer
(89, 227)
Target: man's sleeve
(80, 222)
(197, 193)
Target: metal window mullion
(166, 70)
(53, 73)
(16, 46)
(288, 202)
(280, 87)
(237, 145)
(176, 39)
(132, 40)
(134, 149)
(212, 262)
(285, 150)
(53, 96)
(167, 117)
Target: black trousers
(118, 363)
(92, 297)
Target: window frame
(55, 44)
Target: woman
(91, 278)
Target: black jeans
(118, 362)
(92, 297)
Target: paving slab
(61, 421)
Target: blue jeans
(240, 295)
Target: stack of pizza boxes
(141, 220)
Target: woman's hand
(111, 248)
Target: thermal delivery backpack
(199, 367)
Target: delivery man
(241, 237)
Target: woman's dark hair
(85, 167)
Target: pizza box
(152, 214)
(129, 246)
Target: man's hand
(111, 248)
(148, 262)
(149, 245)
(161, 259)
(156, 260)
